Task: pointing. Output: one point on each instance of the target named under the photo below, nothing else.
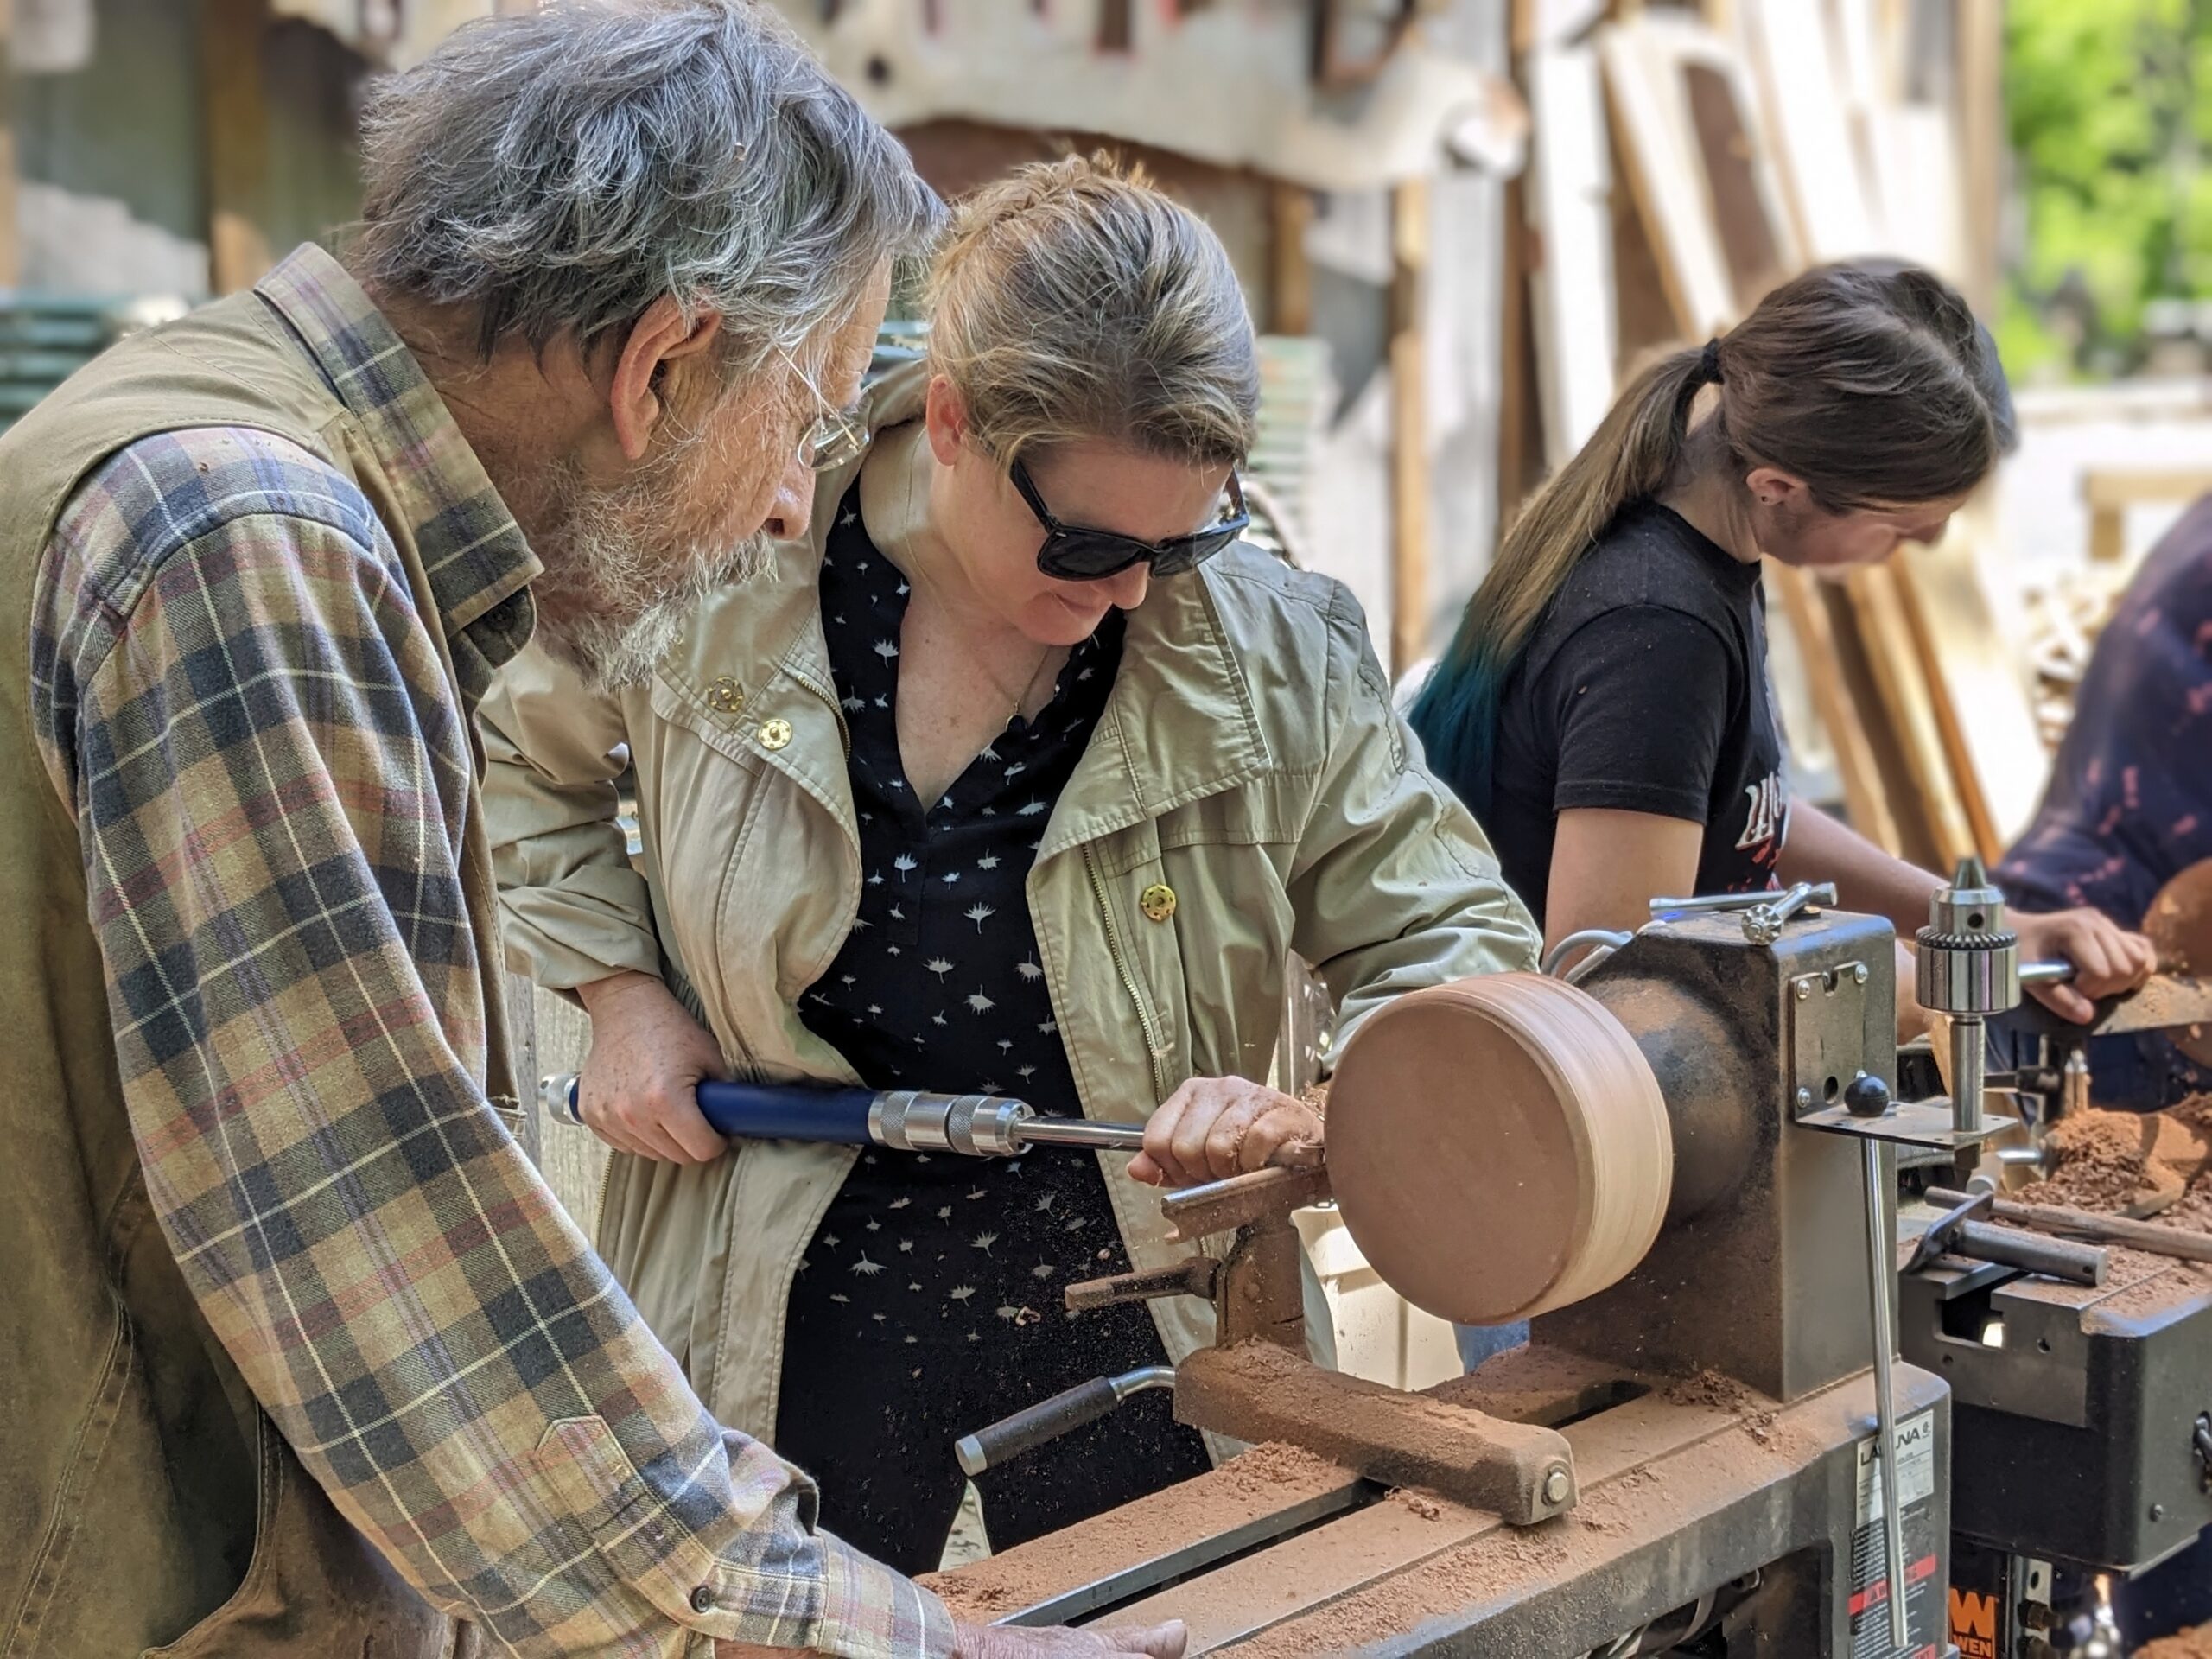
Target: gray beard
(616, 589)
(612, 651)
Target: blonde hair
(1071, 300)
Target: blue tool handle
(772, 1111)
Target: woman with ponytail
(1605, 707)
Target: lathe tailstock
(1681, 1167)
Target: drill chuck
(1967, 960)
(1967, 965)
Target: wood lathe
(1679, 1168)
(2082, 1411)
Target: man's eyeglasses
(1078, 553)
(837, 436)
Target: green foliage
(2109, 104)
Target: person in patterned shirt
(2129, 804)
(1022, 776)
(300, 1355)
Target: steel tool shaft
(1822, 892)
(2148, 1237)
(1961, 1231)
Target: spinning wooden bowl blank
(2179, 924)
(1498, 1147)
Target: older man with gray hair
(299, 1357)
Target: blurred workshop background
(1456, 222)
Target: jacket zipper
(836, 708)
(1160, 1086)
(599, 1205)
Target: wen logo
(1973, 1624)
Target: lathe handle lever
(1046, 1420)
(1820, 893)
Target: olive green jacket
(1248, 762)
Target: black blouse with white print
(928, 1303)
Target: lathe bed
(1702, 1503)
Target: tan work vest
(145, 1499)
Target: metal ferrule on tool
(984, 1126)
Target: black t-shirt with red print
(1644, 688)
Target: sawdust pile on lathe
(2099, 1161)
(1021, 1578)
(1416, 1501)
(1709, 1387)
(1604, 1530)
(1530, 1383)
(1266, 1467)
(2193, 1212)
(2115, 1161)
(2139, 1283)
(2188, 1644)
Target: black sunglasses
(1075, 553)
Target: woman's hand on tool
(2107, 959)
(1213, 1128)
(648, 1054)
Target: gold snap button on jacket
(775, 733)
(1157, 901)
(726, 697)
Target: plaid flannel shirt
(240, 694)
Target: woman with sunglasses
(1021, 777)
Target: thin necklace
(1029, 686)
(913, 468)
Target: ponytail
(1627, 459)
(1870, 381)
